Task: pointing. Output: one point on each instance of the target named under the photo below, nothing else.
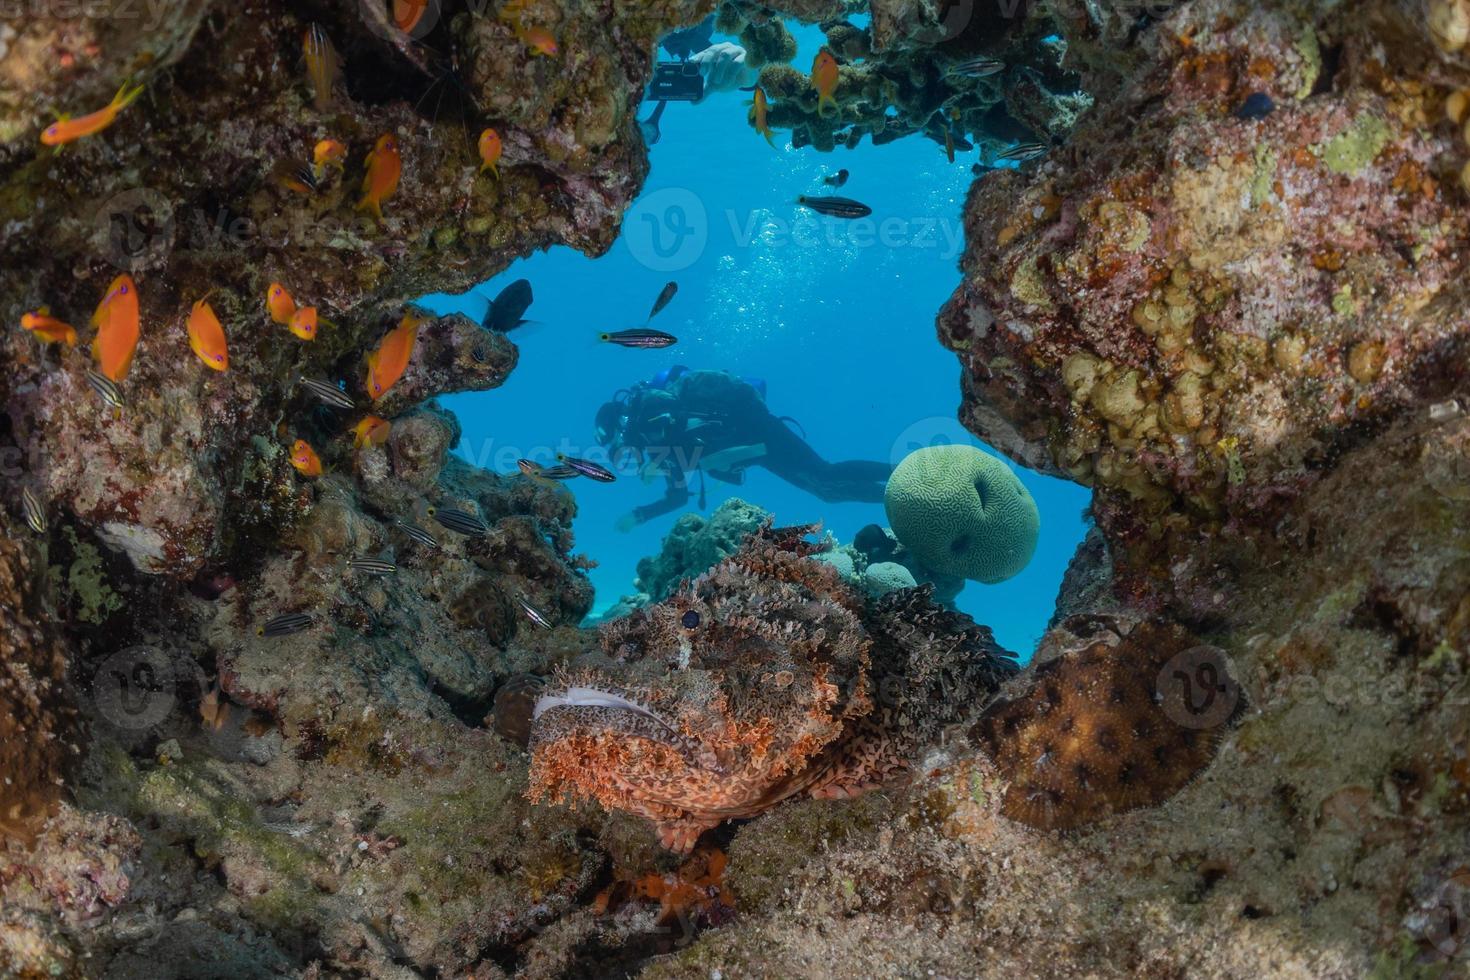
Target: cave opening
(832, 319)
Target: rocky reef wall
(1230, 301)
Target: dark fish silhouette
(837, 179)
(507, 311)
(836, 207)
(665, 297)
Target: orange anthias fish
(322, 66)
(116, 320)
(371, 431)
(305, 459)
(46, 327)
(759, 108)
(280, 303)
(207, 337)
(490, 150)
(387, 364)
(538, 39)
(304, 323)
(66, 130)
(824, 80)
(328, 153)
(384, 166)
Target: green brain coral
(962, 512)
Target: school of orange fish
(116, 320)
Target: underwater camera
(676, 81)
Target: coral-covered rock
(766, 679)
(1122, 723)
(1195, 307)
(38, 720)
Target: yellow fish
(759, 108)
(322, 66)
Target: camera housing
(676, 81)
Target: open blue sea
(837, 318)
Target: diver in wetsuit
(717, 425)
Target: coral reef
(38, 724)
(1121, 723)
(767, 678)
(962, 512)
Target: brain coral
(886, 576)
(962, 512)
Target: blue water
(836, 316)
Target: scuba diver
(716, 424)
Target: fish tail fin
(368, 203)
(823, 102)
(126, 96)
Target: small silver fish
(534, 615)
(1023, 151)
(328, 393)
(460, 522)
(285, 625)
(978, 68)
(664, 299)
(35, 513)
(105, 387)
(587, 468)
(371, 566)
(644, 339)
(836, 207)
(417, 533)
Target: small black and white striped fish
(328, 393)
(1023, 151)
(285, 625)
(35, 513)
(371, 566)
(417, 533)
(587, 468)
(978, 68)
(643, 338)
(105, 387)
(534, 615)
(460, 522)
